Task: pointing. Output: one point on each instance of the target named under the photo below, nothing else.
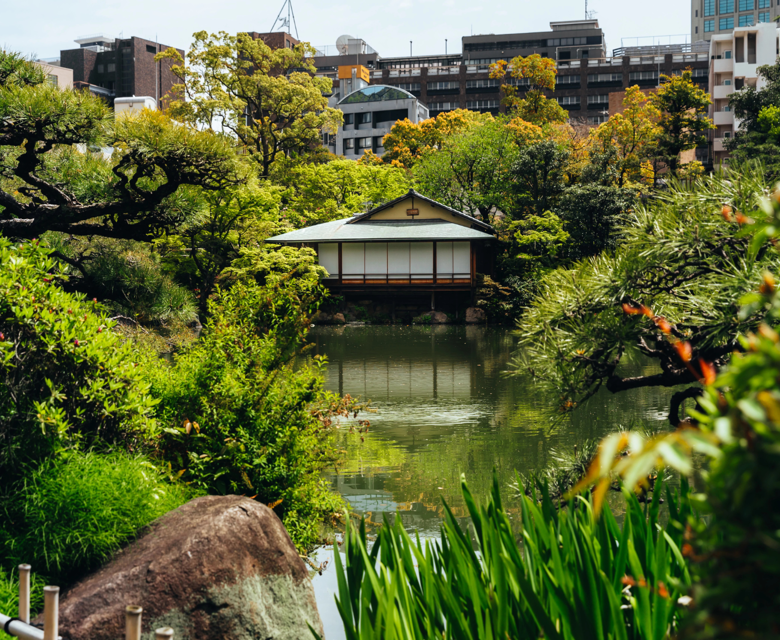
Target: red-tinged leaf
(663, 325)
(684, 350)
(708, 372)
(632, 311)
(726, 213)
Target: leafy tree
(680, 271)
(407, 142)
(48, 184)
(470, 170)
(538, 177)
(684, 122)
(592, 214)
(243, 413)
(337, 189)
(538, 239)
(269, 99)
(758, 135)
(629, 137)
(539, 74)
(15, 69)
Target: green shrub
(576, 575)
(238, 417)
(71, 513)
(66, 380)
(133, 284)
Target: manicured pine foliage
(572, 574)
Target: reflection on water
(444, 407)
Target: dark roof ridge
(415, 194)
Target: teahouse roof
(361, 228)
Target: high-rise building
(734, 61)
(713, 17)
(120, 68)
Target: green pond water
(444, 407)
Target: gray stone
(439, 317)
(338, 318)
(218, 567)
(475, 315)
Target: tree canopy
(679, 275)
(538, 74)
(268, 99)
(50, 180)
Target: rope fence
(20, 627)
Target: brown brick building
(120, 68)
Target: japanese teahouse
(409, 246)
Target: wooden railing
(408, 279)
(20, 627)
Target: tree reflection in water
(444, 408)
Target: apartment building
(734, 61)
(716, 17)
(120, 68)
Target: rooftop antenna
(286, 22)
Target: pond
(445, 407)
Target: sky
(43, 27)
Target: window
(482, 104)
(567, 80)
(378, 141)
(763, 16)
(364, 143)
(52, 79)
(727, 108)
(709, 8)
(727, 83)
(764, 4)
(700, 73)
(349, 118)
(363, 118)
(726, 6)
(111, 67)
(598, 100)
(349, 143)
(747, 5)
(605, 77)
(150, 48)
(409, 86)
(568, 100)
(565, 42)
(443, 106)
(746, 20)
(727, 54)
(101, 68)
(643, 75)
(597, 119)
(726, 23)
(481, 84)
(727, 134)
(438, 86)
(709, 25)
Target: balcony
(723, 65)
(717, 144)
(721, 91)
(723, 118)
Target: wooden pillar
(341, 270)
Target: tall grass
(72, 512)
(569, 575)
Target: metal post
(133, 622)
(164, 633)
(24, 593)
(51, 612)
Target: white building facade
(734, 61)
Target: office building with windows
(734, 61)
(714, 17)
(586, 76)
(120, 68)
(369, 114)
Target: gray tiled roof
(385, 230)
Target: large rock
(439, 317)
(219, 567)
(475, 315)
